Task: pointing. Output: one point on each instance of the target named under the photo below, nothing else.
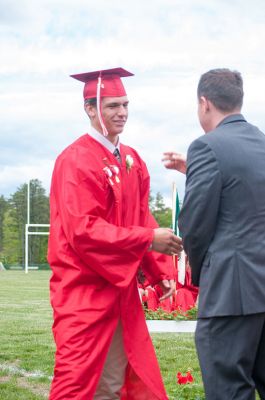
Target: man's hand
(168, 287)
(175, 161)
(166, 242)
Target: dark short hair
(223, 87)
(91, 102)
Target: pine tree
(18, 214)
(15, 218)
(162, 214)
(3, 208)
(39, 214)
(11, 253)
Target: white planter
(171, 326)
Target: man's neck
(114, 139)
(98, 136)
(218, 117)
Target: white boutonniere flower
(129, 162)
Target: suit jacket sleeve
(199, 213)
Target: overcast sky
(168, 44)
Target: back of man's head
(223, 87)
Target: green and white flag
(175, 218)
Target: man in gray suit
(222, 222)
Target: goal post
(29, 232)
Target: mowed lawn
(27, 348)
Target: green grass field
(27, 348)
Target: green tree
(162, 214)
(15, 220)
(3, 208)
(151, 202)
(18, 214)
(39, 214)
(11, 244)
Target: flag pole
(174, 192)
(181, 268)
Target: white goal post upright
(29, 232)
(28, 203)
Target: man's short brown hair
(223, 87)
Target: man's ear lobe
(205, 103)
(91, 111)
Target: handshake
(166, 242)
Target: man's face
(114, 111)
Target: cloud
(15, 175)
(166, 43)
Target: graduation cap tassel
(104, 129)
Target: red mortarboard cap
(111, 84)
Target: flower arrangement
(128, 162)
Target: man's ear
(90, 110)
(205, 104)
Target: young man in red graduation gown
(101, 233)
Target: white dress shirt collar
(103, 140)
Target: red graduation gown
(186, 295)
(101, 229)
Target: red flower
(184, 379)
(189, 377)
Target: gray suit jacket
(222, 220)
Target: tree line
(13, 217)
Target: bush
(176, 315)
